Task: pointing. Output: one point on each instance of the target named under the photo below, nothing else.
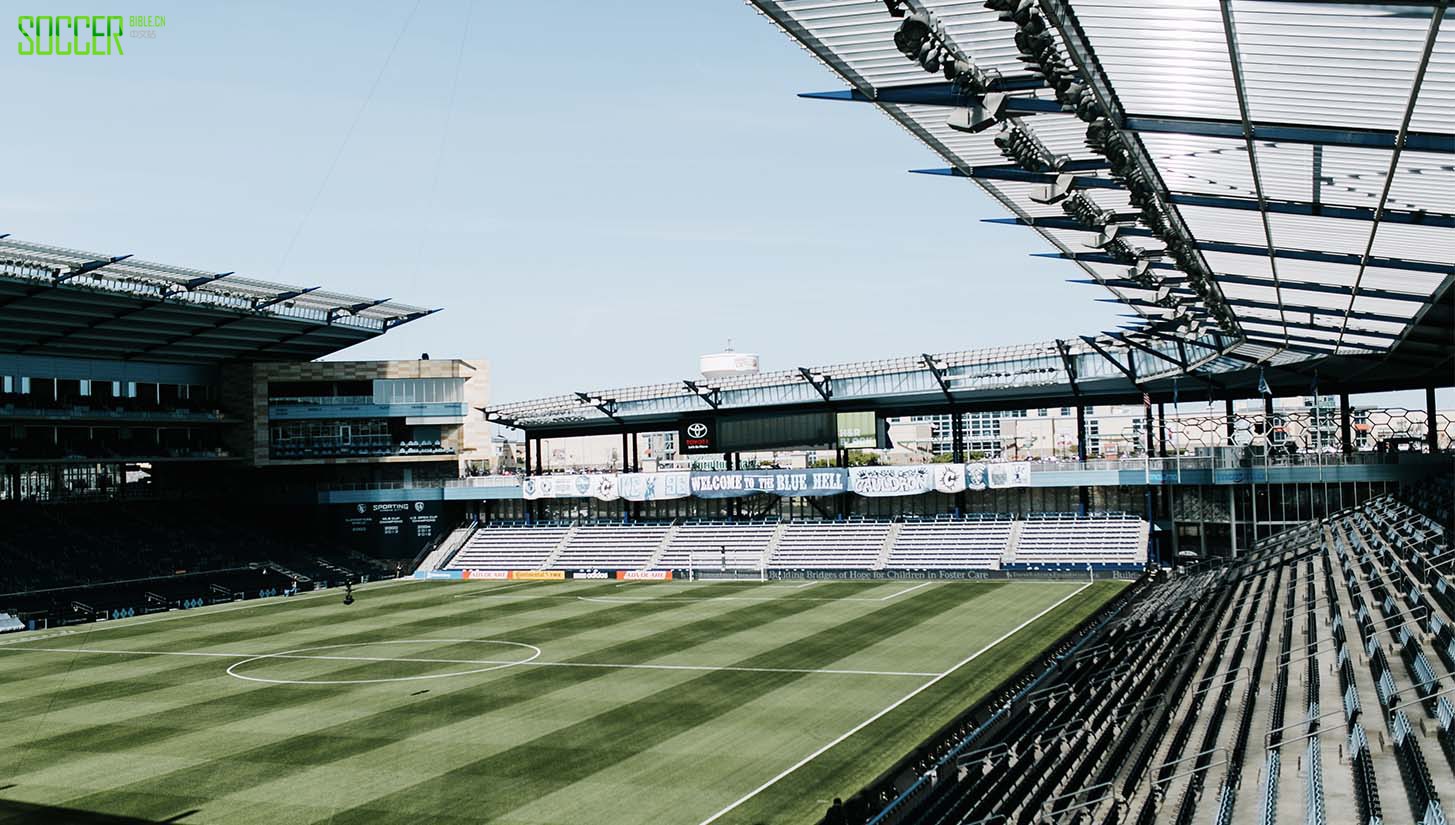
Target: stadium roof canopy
(1267, 186)
(64, 302)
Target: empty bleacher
(735, 546)
(981, 542)
(1304, 682)
(950, 543)
(839, 545)
(1067, 538)
(509, 547)
(611, 546)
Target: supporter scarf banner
(1013, 474)
(949, 478)
(733, 484)
(873, 482)
(599, 486)
(655, 486)
(908, 480)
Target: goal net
(720, 564)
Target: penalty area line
(877, 716)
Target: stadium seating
(735, 546)
(611, 546)
(837, 545)
(74, 544)
(970, 543)
(509, 547)
(9, 623)
(1065, 538)
(1235, 693)
(982, 542)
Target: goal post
(720, 563)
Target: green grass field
(513, 703)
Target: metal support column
(1080, 432)
(527, 508)
(1346, 432)
(957, 435)
(1232, 518)
(1147, 419)
(1228, 417)
(1151, 491)
(1432, 430)
(1162, 430)
(1083, 493)
(732, 503)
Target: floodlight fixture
(1055, 192)
(912, 34)
(1105, 237)
(980, 115)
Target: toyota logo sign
(697, 436)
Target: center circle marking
(232, 669)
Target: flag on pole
(1263, 388)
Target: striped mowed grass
(533, 703)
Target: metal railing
(319, 400)
(1164, 467)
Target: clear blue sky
(596, 192)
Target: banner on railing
(949, 478)
(735, 483)
(975, 476)
(655, 486)
(874, 482)
(597, 485)
(1013, 474)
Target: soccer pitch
(567, 703)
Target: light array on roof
(1277, 184)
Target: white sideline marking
(635, 600)
(207, 610)
(872, 719)
(487, 590)
(513, 662)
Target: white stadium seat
(509, 547)
(951, 544)
(979, 542)
(837, 545)
(611, 547)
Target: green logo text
(70, 35)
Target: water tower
(721, 366)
